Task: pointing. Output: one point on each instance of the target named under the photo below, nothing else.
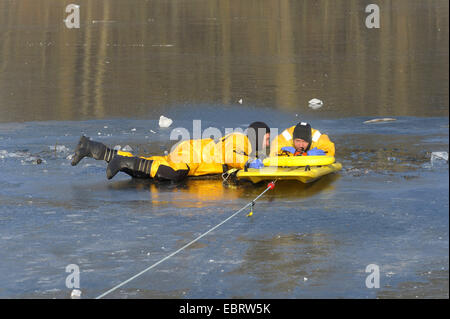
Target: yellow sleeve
(324, 143)
(235, 150)
(282, 140)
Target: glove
(288, 149)
(257, 163)
(315, 152)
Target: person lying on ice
(301, 139)
(187, 158)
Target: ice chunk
(127, 148)
(164, 121)
(133, 130)
(380, 120)
(240, 101)
(315, 103)
(117, 148)
(76, 294)
(439, 156)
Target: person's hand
(315, 152)
(288, 149)
(257, 163)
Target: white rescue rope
(269, 186)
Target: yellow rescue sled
(305, 169)
(294, 161)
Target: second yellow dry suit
(197, 157)
(312, 136)
(187, 158)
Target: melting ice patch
(59, 148)
(24, 156)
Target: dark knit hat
(303, 130)
(255, 133)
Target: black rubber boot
(168, 173)
(133, 166)
(96, 150)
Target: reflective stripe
(240, 152)
(287, 135)
(316, 136)
(303, 123)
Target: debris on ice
(4, 153)
(32, 160)
(164, 121)
(380, 120)
(27, 157)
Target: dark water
(132, 61)
(135, 58)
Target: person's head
(259, 135)
(302, 137)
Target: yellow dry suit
(200, 157)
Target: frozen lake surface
(227, 65)
(388, 206)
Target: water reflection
(134, 58)
(213, 192)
